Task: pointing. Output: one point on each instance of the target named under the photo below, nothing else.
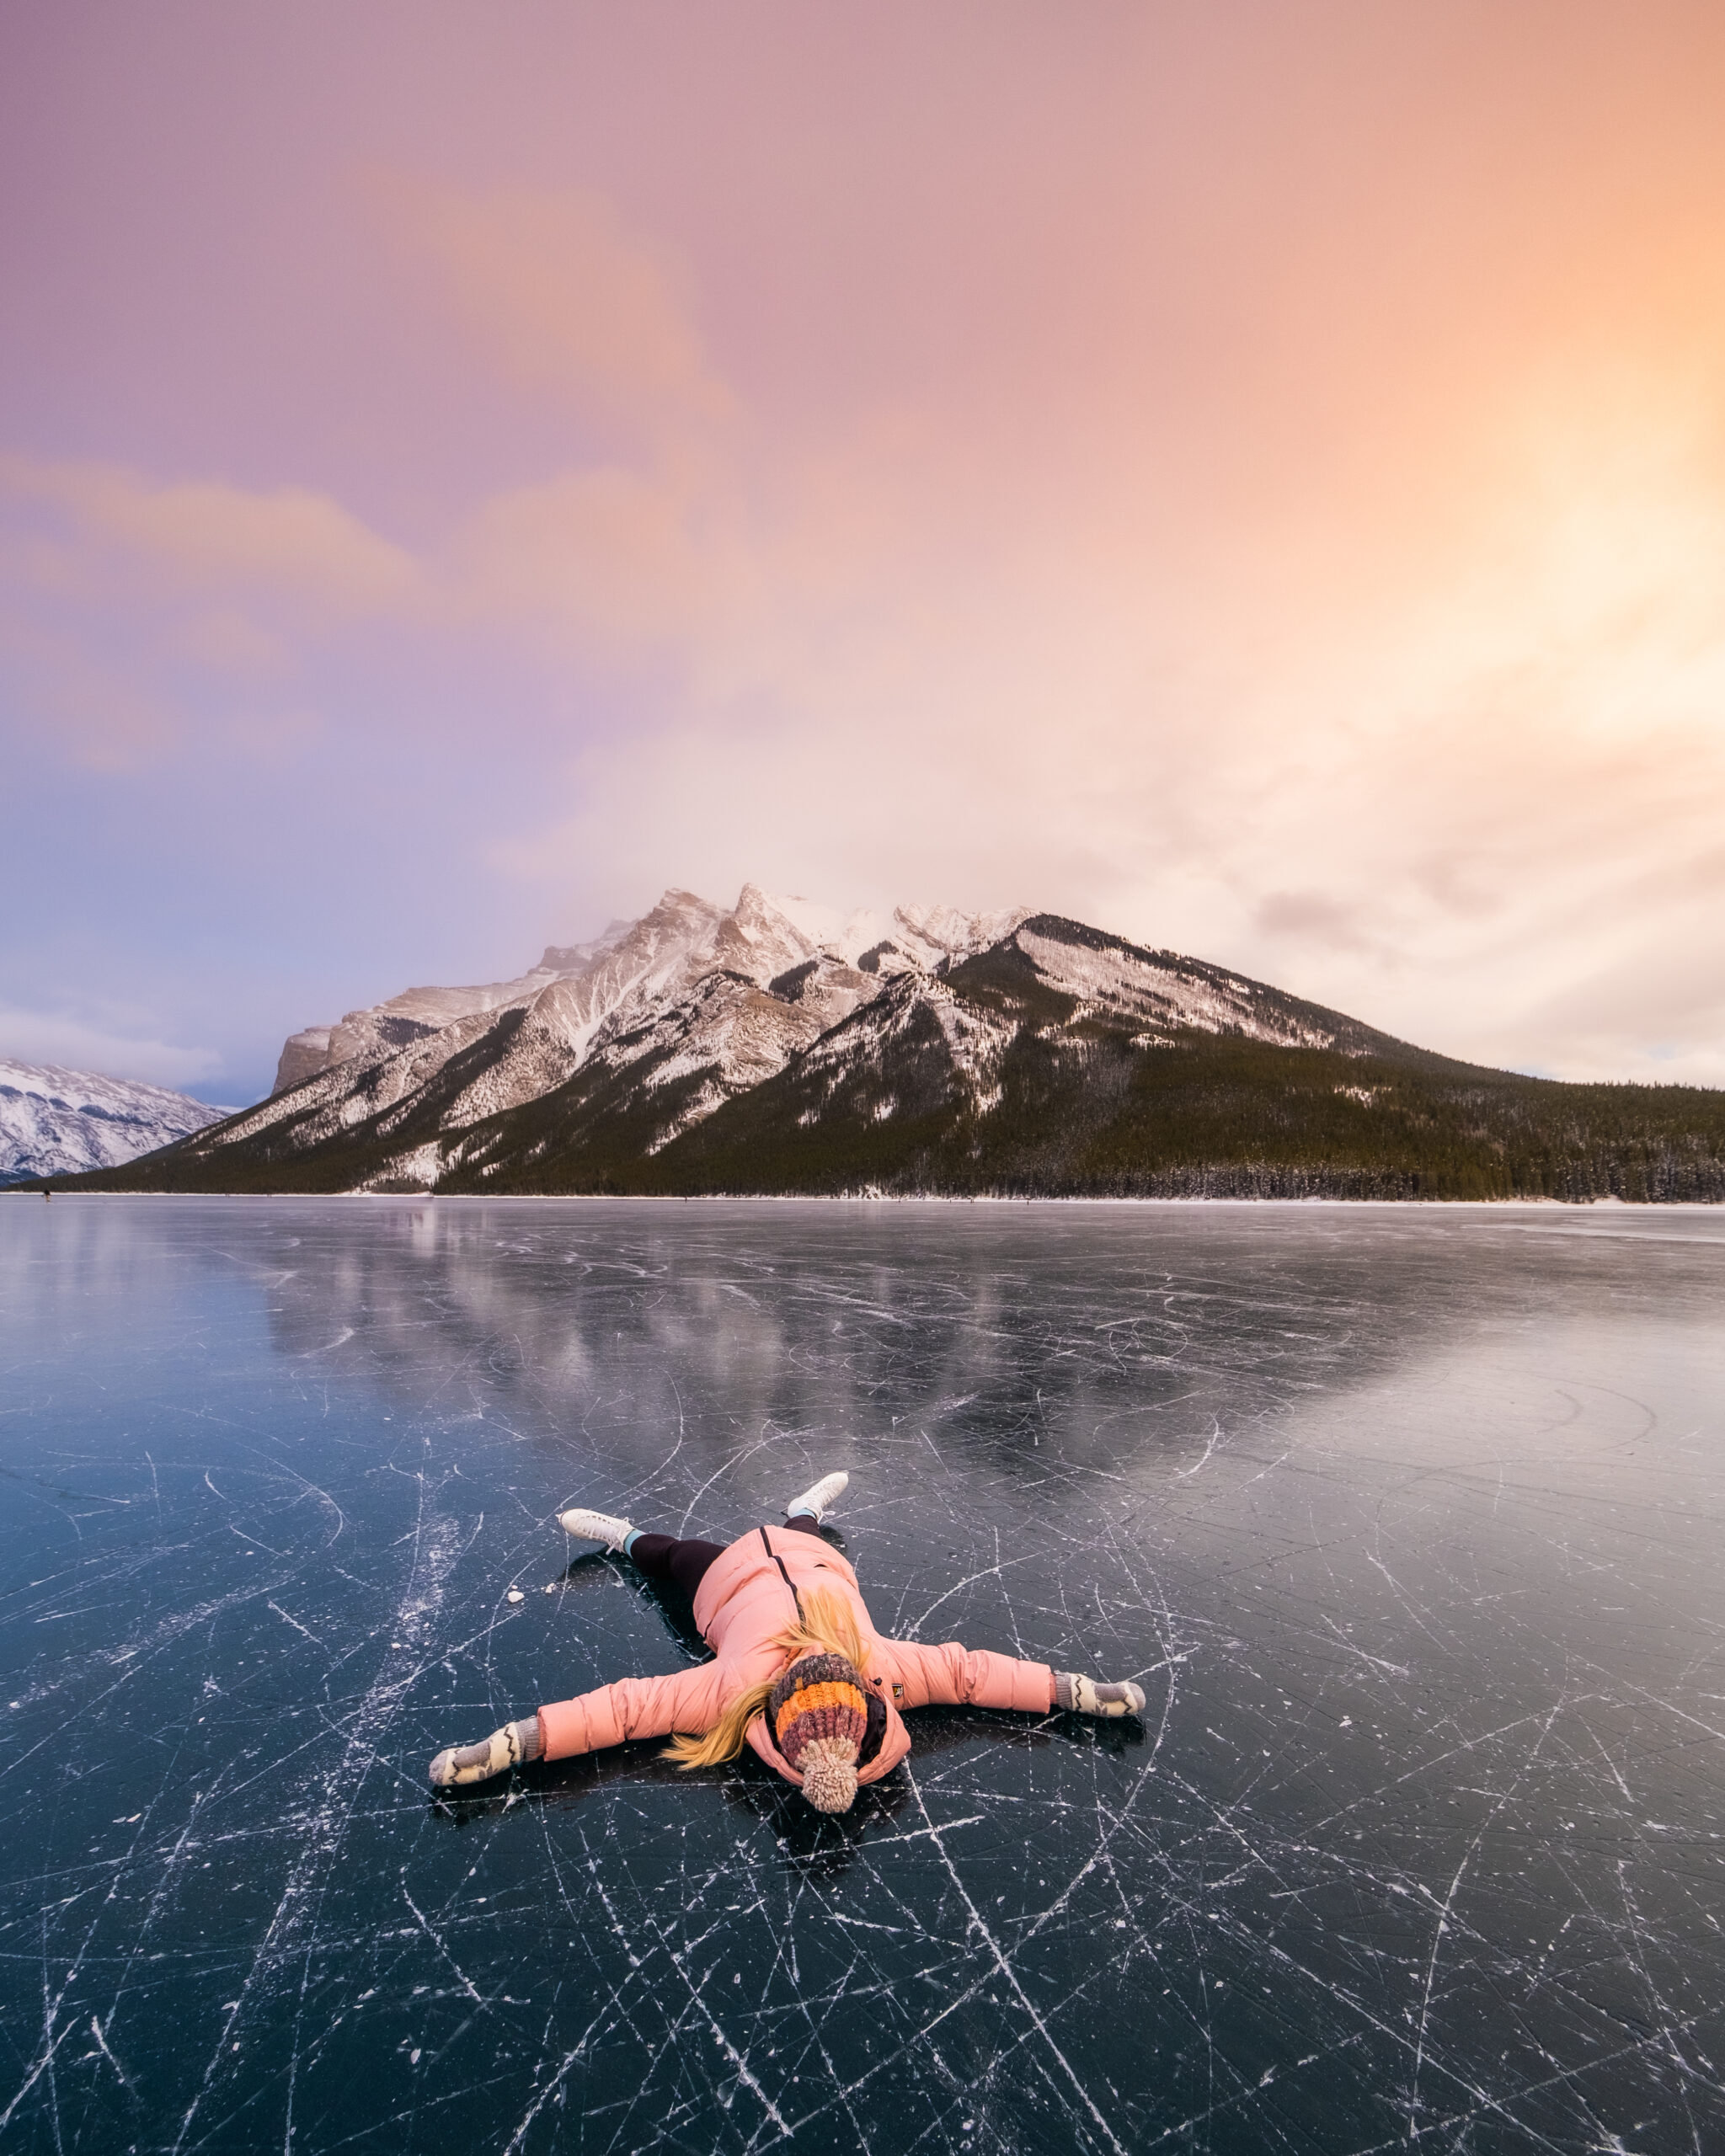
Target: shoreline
(1664, 1207)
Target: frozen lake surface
(1412, 1524)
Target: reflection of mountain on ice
(55, 1122)
(607, 1315)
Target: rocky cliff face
(690, 987)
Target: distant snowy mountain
(55, 1122)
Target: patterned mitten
(1082, 1695)
(511, 1746)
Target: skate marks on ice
(1406, 1522)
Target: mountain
(633, 966)
(55, 1122)
(779, 1048)
(706, 1002)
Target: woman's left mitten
(512, 1746)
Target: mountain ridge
(778, 1046)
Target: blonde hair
(827, 1626)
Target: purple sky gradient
(1251, 477)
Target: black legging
(665, 1557)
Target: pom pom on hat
(829, 1771)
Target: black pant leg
(651, 1553)
(691, 1562)
(667, 1557)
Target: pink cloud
(553, 285)
(203, 537)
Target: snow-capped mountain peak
(581, 958)
(826, 929)
(925, 937)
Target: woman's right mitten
(1083, 1695)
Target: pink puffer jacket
(745, 1600)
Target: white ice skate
(818, 1499)
(594, 1527)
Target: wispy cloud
(286, 543)
(48, 1036)
(554, 286)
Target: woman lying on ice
(800, 1674)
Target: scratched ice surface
(1409, 1522)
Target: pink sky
(1252, 478)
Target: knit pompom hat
(818, 1713)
